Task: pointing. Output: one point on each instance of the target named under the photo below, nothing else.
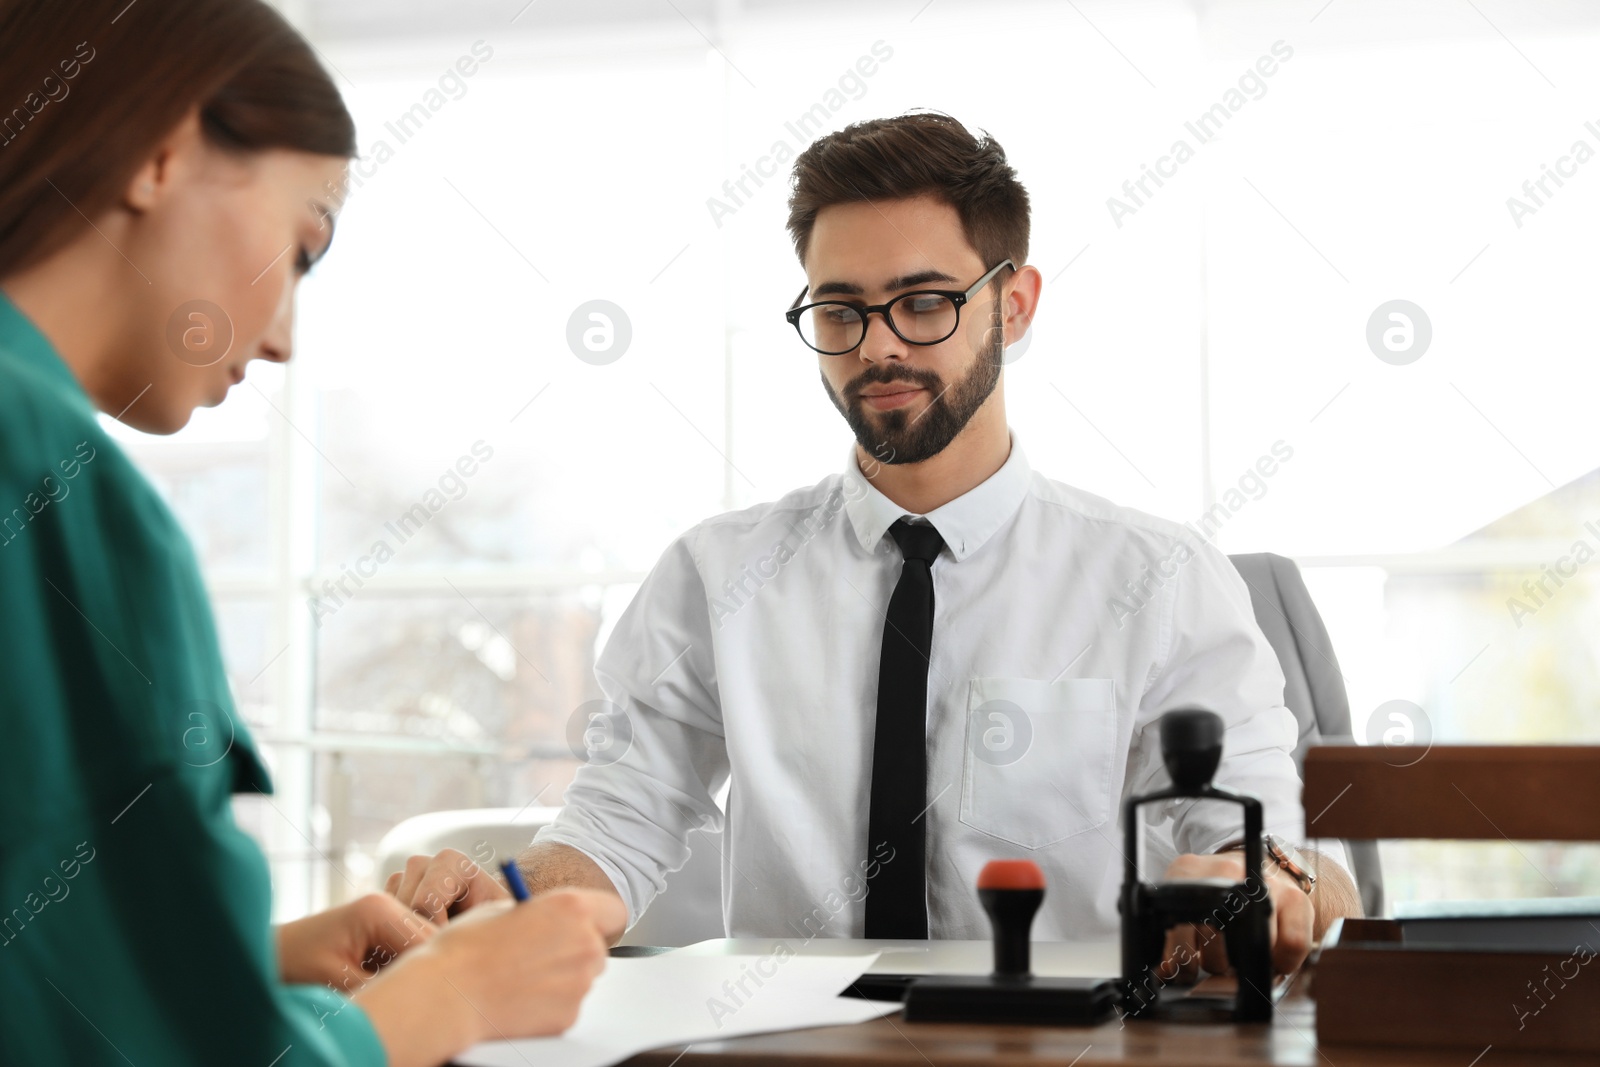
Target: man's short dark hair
(920, 153)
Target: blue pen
(519, 889)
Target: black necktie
(896, 896)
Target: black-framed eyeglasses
(918, 317)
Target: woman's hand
(345, 946)
(497, 972)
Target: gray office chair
(1313, 685)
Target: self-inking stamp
(1191, 748)
(1010, 891)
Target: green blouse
(134, 913)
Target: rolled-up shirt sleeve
(632, 812)
(1216, 657)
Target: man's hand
(345, 946)
(1191, 946)
(437, 887)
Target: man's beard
(896, 436)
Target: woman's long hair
(89, 87)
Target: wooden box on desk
(1514, 981)
(1461, 792)
(1376, 983)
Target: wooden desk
(1288, 1042)
(892, 1042)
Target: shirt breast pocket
(1038, 758)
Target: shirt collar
(965, 523)
(20, 340)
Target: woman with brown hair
(169, 169)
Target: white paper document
(675, 1000)
(1051, 959)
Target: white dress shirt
(749, 658)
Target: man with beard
(909, 669)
